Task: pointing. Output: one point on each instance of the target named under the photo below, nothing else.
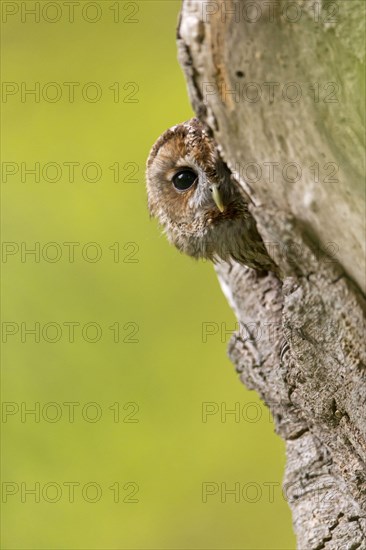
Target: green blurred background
(156, 449)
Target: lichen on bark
(309, 368)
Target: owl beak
(216, 195)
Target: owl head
(190, 189)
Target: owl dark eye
(184, 179)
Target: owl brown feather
(209, 216)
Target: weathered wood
(306, 355)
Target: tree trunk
(280, 86)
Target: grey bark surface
(305, 355)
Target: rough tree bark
(280, 82)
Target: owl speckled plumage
(192, 193)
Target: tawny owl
(203, 210)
